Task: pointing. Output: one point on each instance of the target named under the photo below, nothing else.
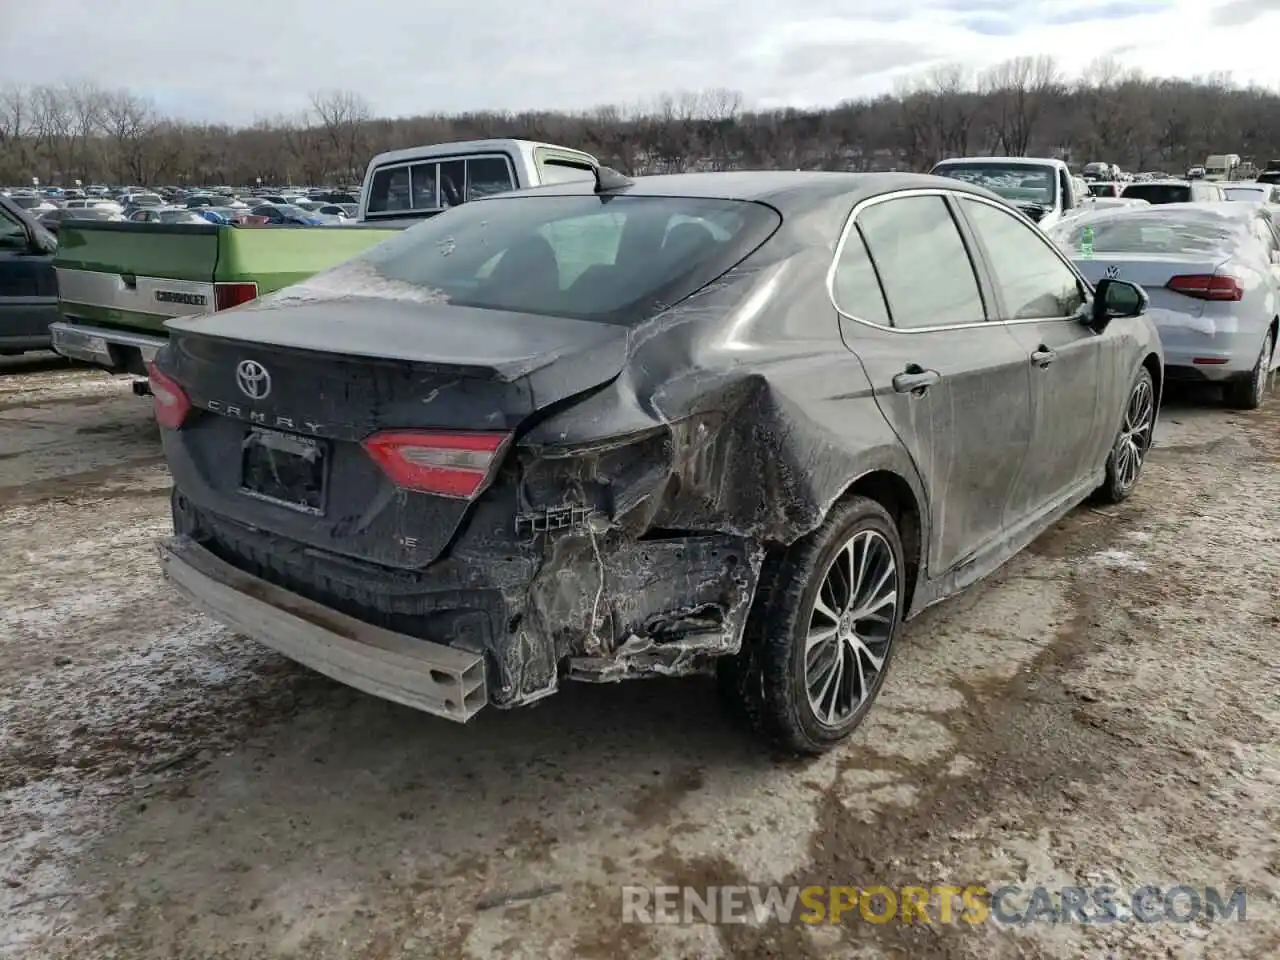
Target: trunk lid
(341, 370)
(1152, 271)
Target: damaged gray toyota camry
(746, 423)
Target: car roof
(1167, 182)
(782, 189)
(1024, 161)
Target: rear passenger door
(953, 387)
(1040, 297)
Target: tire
(1249, 394)
(767, 685)
(1133, 441)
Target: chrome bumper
(431, 677)
(93, 344)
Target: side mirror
(1113, 299)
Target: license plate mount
(285, 469)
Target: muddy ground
(1105, 709)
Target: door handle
(1043, 357)
(915, 380)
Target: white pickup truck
(1042, 188)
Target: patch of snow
(1117, 560)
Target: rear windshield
(1159, 192)
(616, 259)
(1150, 231)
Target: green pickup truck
(118, 283)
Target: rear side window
(855, 286)
(616, 259)
(1159, 192)
(555, 171)
(927, 275)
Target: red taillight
(171, 403)
(228, 295)
(447, 463)
(1207, 286)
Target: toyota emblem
(1112, 273)
(255, 382)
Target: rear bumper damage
(571, 601)
(432, 677)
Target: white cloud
(232, 60)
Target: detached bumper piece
(101, 346)
(431, 677)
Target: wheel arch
(1152, 362)
(896, 494)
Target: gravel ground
(1104, 709)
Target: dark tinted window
(389, 190)
(856, 288)
(27, 203)
(12, 233)
(927, 275)
(487, 176)
(433, 184)
(1159, 192)
(1033, 280)
(618, 259)
(453, 182)
(422, 187)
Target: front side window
(1032, 279)
(389, 190)
(614, 259)
(925, 270)
(12, 235)
(856, 288)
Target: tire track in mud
(1037, 751)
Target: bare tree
(344, 116)
(129, 123)
(1023, 106)
(1020, 89)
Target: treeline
(1024, 106)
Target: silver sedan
(1212, 271)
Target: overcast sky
(234, 60)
